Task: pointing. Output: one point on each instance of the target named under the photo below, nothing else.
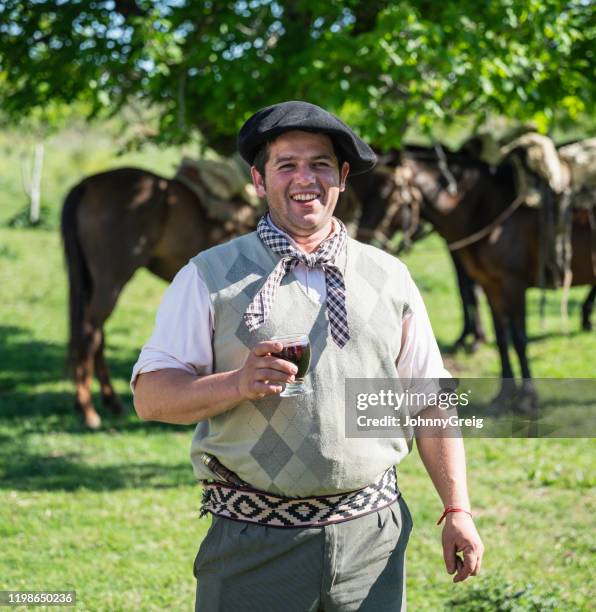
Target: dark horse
(116, 222)
(384, 194)
(504, 257)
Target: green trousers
(354, 565)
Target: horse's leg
(587, 308)
(502, 338)
(501, 402)
(83, 374)
(467, 291)
(517, 325)
(527, 400)
(109, 398)
(479, 332)
(101, 304)
(107, 286)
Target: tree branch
(129, 8)
(366, 16)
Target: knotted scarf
(259, 309)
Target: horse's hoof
(587, 325)
(502, 403)
(92, 420)
(499, 406)
(526, 403)
(457, 346)
(87, 415)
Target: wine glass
(296, 349)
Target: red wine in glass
(296, 349)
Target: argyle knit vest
(296, 446)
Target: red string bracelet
(449, 509)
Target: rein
(415, 201)
(452, 189)
(479, 235)
(403, 193)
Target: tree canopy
(206, 65)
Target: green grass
(114, 513)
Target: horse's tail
(79, 278)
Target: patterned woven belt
(253, 506)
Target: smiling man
(303, 517)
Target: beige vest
(296, 446)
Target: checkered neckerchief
(259, 309)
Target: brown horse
(503, 261)
(114, 223)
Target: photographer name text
(409, 400)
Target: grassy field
(114, 513)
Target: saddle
(561, 185)
(580, 160)
(223, 190)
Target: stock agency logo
(386, 410)
(408, 399)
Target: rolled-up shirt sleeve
(182, 335)
(419, 362)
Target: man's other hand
(462, 546)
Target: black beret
(268, 123)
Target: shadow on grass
(38, 472)
(27, 361)
(449, 348)
(25, 364)
(27, 410)
(547, 335)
